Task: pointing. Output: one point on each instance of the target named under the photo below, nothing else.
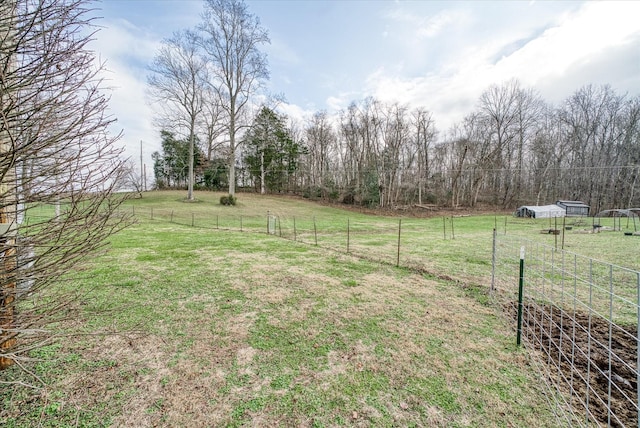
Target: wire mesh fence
(397, 241)
(580, 319)
(579, 315)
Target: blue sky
(437, 55)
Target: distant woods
(512, 148)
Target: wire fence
(580, 316)
(400, 241)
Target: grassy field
(222, 327)
(453, 243)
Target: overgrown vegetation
(227, 200)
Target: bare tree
(498, 109)
(132, 180)
(425, 135)
(232, 37)
(178, 83)
(57, 160)
(321, 139)
(212, 123)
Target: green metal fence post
(520, 292)
(399, 232)
(493, 261)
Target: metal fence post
(399, 232)
(453, 232)
(610, 372)
(348, 233)
(444, 228)
(520, 292)
(493, 262)
(315, 230)
(295, 232)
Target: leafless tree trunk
(177, 83)
(425, 135)
(498, 108)
(212, 123)
(602, 137)
(232, 37)
(321, 140)
(53, 108)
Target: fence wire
(580, 315)
(580, 319)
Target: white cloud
(125, 76)
(296, 113)
(280, 51)
(579, 40)
(337, 103)
(438, 55)
(438, 23)
(597, 28)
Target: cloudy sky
(437, 55)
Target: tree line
(513, 148)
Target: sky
(439, 55)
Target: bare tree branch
(59, 167)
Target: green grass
(223, 328)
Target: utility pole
(142, 183)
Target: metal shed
(574, 208)
(543, 211)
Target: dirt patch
(595, 359)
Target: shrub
(228, 200)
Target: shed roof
(540, 208)
(573, 204)
(543, 211)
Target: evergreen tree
(271, 153)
